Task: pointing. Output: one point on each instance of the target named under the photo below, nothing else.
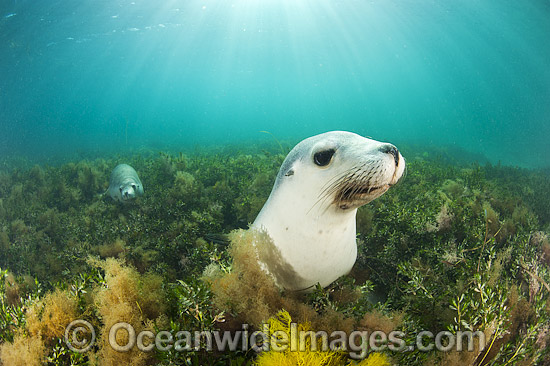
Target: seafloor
(455, 246)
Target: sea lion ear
(289, 173)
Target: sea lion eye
(133, 186)
(120, 189)
(324, 157)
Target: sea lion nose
(390, 149)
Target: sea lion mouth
(354, 188)
(356, 195)
(349, 193)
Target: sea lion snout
(392, 150)
(128, 192)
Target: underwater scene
(275, 182)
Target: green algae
(452, 247)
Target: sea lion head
(343, 169)
(310, 213)
(130, 190)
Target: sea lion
(310, 213)
(124, 183)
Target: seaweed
(310, 350)
(455, 246)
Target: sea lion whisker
(328, 190)
(335, 185)
(334, 180)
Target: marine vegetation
(456, 246)
(282, 353)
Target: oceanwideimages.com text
(80, 337)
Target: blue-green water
(91, 76)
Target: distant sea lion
(124, 184)
(310, 213)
